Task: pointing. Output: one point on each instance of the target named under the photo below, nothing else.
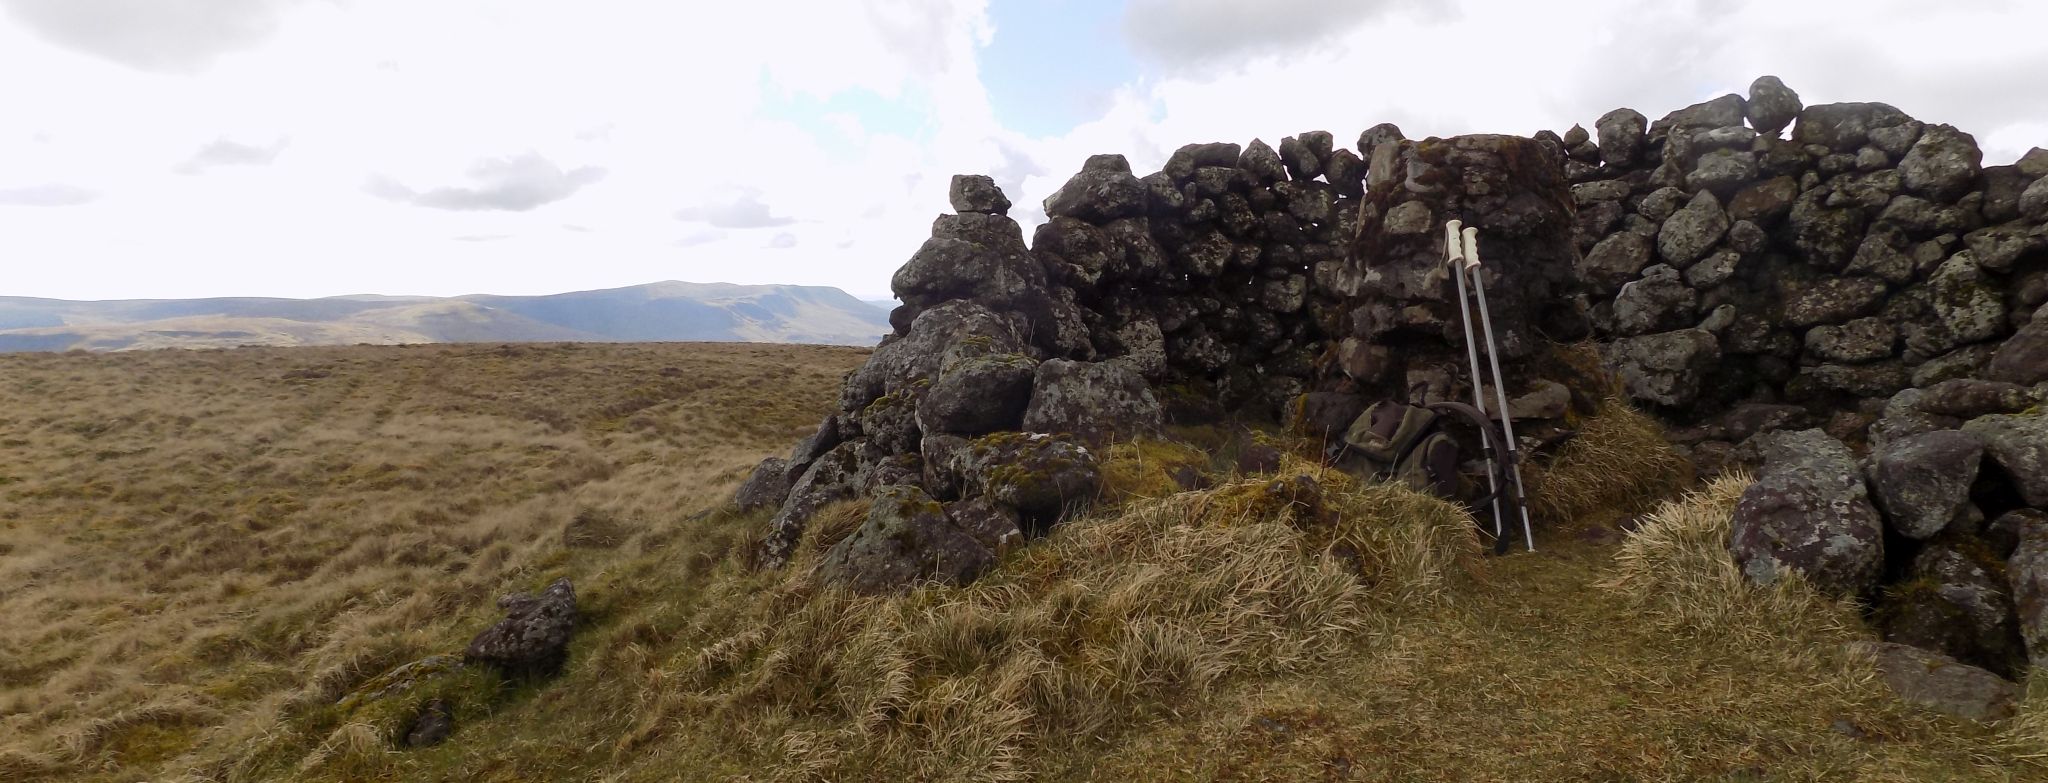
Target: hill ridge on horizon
(666, 310)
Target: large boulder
(767, 486)
(1808, 513)
(1966, 305)
(1969, 398)
(1660, 301)
(1942, 165)
(1097, 402)
(840, 474)
(1622, 133)
(972, 255)
(1103, 191)
(907, 538)
(2018, 445)
(533, 639)
(1692, 231)
(954, 329)
(1940, 683)
(2023, 358)
(1665, 368)
(1771, 105)
(1041, 477)
(978, 395)
(1614, 261)
(1923, 481)
(977, 193)
(1843, 127)
(1952, 603)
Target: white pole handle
(1472, 247)
(1454, 251)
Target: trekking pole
(1507, 422)
(1454, 255)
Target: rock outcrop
(533, 639)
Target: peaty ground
(200, 552)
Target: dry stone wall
(1745, 265)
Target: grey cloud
(48, 195)
(514, 184)
(782, 241)
(224, 152)
(1198, 33)
(744, 210)
(180, 36)
(916, 30)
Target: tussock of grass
(1106, 621)
(1676, 570)
(2025, 735)
(1142, 469)
(1619, 462)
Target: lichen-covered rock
(1958, 608)
(1808, 512)
(1831, 300)
(533, 639)
(973, 256)
(840, 474)
(2033, 203)
(1856, 342)
(1692, 231)
(1722, 171)
(1943, 684)
(907, 538)
(995, 527)
(890, 422)
(1721, 112)
(1041, 477)
(1824, 236)
(954, 328)
(1842, 127)
(1097, 402)
(978, 395)
(1102, 191)
(1764, 203)
(1922, 482)
(977, 193)
(1666, 368)
(1966, 308)
(1771, 105)
(1942, 165)
(1972, 397)
(2018, 445)
(1660, 301)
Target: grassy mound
(1108, 621)
(1618, 463)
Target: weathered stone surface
(1614, 261)
(1943, 164)
(1104, 190)
(996, 528)
(2026, 570)
(767, 486)
(1966, 308)
(890, 422)
(1771, 105)
(1720, 112)
(2023, 358)
(1972, 397)
(1667, 368)
(1843, 127)
(907, 538)
(1826, 237)
(1722, 171)
(977, 395)
(1096, 402)
(954, 328)
(977, 193)
(1715, 269)
(1958, 608)
(1041, 477)
(1831, 300)
(1764, 202)
(1999, 248)
(1922, 482)
(2018, 445)
(1856, 342)
(1660, 301)
(1692, 231)
(972, 256)
(839, 474)
(533, 639)
(1622, 133)
(1808, 512)
(1940, 683)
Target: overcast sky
(179, 148)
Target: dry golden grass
(201, 553)
(194, 544)
(1618, 463)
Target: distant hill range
(669, 311)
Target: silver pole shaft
(1507, 423)
(1455, 256)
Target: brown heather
(201, 552)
